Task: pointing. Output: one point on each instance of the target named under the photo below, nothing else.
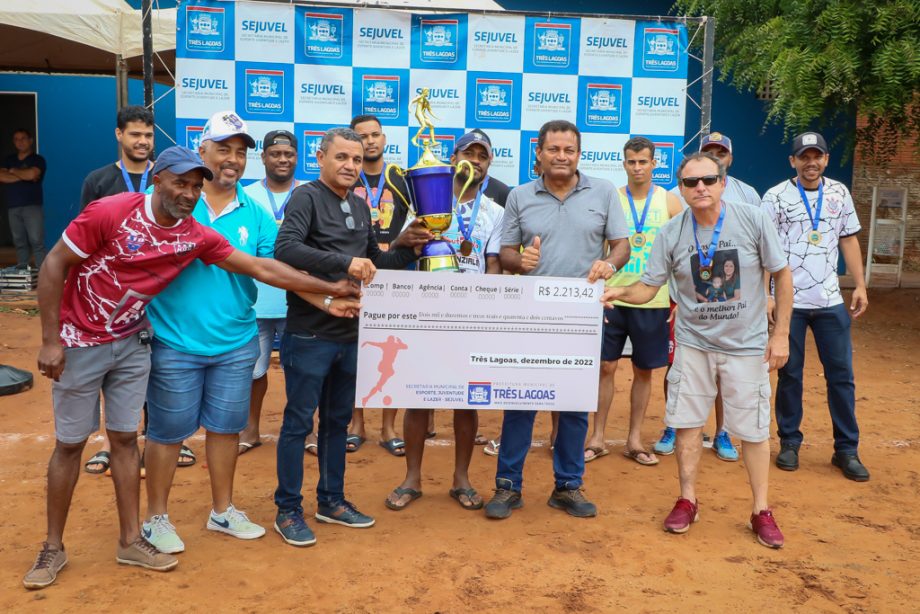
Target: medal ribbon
(279, 213)
(639, 223)
(816, 217)
(374, 199)
(706, 259)
(127, 177)
(484, 185)
(468, 232)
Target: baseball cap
(808, 140)
(180, 160)
(474, 137)
(224, 125)
(279, 137)
(716, 138)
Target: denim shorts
(268, 328)
(186, 391)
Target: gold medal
(466, 247)
(706, 273)
(375, 214)
(638, 240)
(814, 237)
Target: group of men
(116, 292)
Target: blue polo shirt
(207, 311)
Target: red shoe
(764, 526)
(685, 513)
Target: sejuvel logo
(479, 393)
(380, 95)
(311, 141)
(493, 100)
(660, 49)
(205, 28)
(264, 91)
(439, 40)
(604, 104)
(552, 44)
(324, 33)
(445, 145)
(488, 37)
(664, 158)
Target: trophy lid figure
(424, 115)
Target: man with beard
(475, 234)
(93, 290)
(327, 230)
(131, 173)
(204, 351)
(569, 225)
(388, 214)
(272, 193)
(23, 173)
(816, 219)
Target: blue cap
(716, 138)
(474, 137)
(180, 160)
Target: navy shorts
(646, 328)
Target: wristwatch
(327, 303)
(613, 269)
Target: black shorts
(646, 328)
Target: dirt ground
(849, 547)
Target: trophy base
(438, 255)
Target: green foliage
(825, 60)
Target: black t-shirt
(108, 181)
(497, 191)
(390, 214)
(25, 193)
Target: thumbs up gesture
(530, 257)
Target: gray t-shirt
(573, 233)
(727, 313)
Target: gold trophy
(431, 188)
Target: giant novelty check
(458, 341)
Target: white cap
(224, 125)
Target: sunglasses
(349, 219)
(692, 182)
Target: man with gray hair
(327, 230)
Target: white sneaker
(161, 534)
(236, 523)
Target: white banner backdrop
(306, 69)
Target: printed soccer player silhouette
(390, 348)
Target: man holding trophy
(475, 234)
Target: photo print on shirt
(723, 282)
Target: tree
(825, 61)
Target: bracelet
(613, 269)
(327, 303)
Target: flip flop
(187, 458)
(469, 493)
(635, 455)
(246, 446)
(395, 446)
(312, 449)
(598, 452)
(492, 447)
(99, 458)
(355, 441)
(480, 440)
(431, 434)
(401, 492)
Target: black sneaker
(345, 514)
(851, 466)
(788, 457)
(573, 502)
(504, 501)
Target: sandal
(395, 446)
(244, 446)
(312, 449)
(402, 492)
(636, 456)
(99, 458)
(492, 447)
(469, 493)
(353, 443)
(597, 453)
(480, 440)
(187, 458)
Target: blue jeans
(186, 391)
(27, 227)
(568, 453)
(317, 373)
(831, 328)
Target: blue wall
(76, 133)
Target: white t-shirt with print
(486, 236)
(814, 267)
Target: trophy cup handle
(471, 172)
(402, 174)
